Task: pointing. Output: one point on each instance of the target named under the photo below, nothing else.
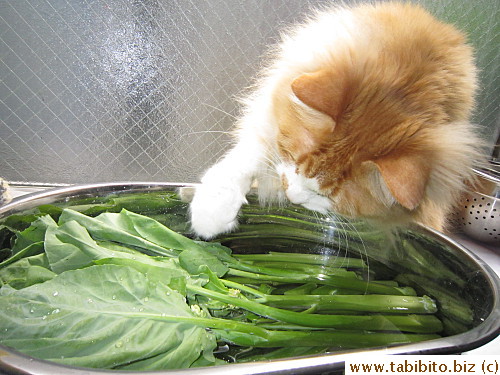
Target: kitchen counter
(489, 253)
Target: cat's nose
(296, 194)
(284, 182)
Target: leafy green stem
(316, 259)
(341, 282)
(410, 323)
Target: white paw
(214, 209)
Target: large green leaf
(26, 271)
(103, 316)
(70, 246)
(35, 233)
(167, 271)
(30, 250)
(29, 242)
(147, 228)
(195, 260)
(125, 228)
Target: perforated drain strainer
(480, 216)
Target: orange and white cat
(363, 111)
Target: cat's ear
(324, 90)
(406, 177)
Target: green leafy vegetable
(109, 288)
(94, 317)
(125, 232)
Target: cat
(363, 111)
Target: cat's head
(360, 145)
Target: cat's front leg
(218, 199)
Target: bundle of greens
(123, 291)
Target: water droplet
(32, 310)
(56, 311)
(44, 317)
(113, 297)
(119, 344)
(55, 294)
(141, 309)
(89, 300)
(146, 299)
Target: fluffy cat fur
(363, 111)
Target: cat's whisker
(220, 110)
(339, 227)
(206, 132)
(349, 226)
(365, 250)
